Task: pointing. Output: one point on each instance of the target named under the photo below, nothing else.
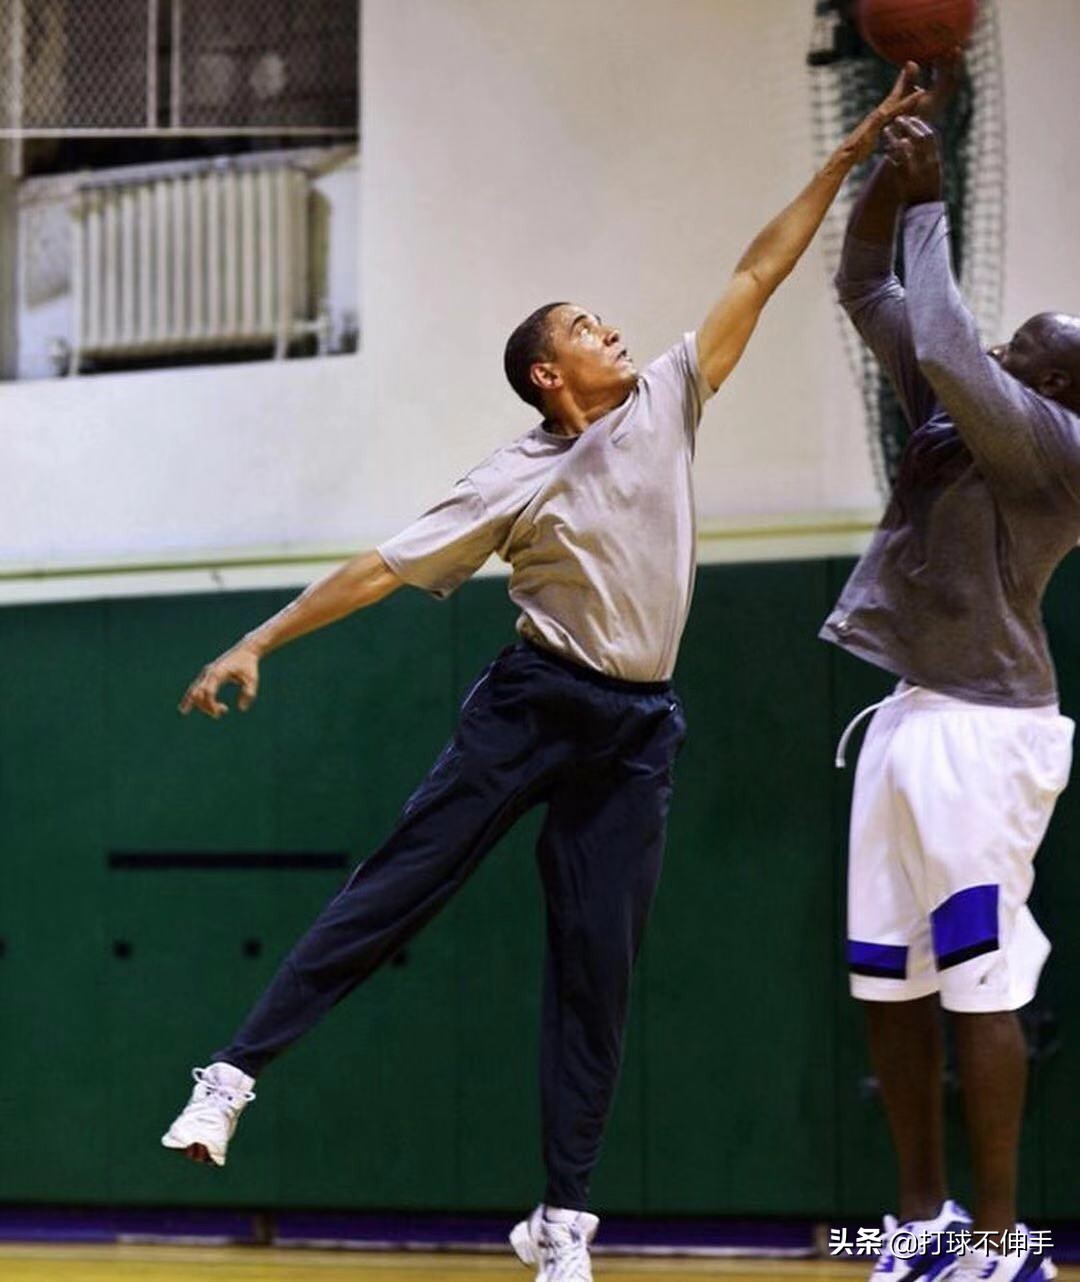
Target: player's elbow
(759, 281)
(939, 367)
(382, 580)
(931, 354)
(848, 300)
(851, 292)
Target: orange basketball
(917, 30)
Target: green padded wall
(745, 1089)
(54, 785)
(738, 967)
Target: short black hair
(529, 343)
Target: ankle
(995, 1216)
(921, 1206)
(992, 1233)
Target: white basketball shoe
(205, 1127)
(558, 1246)
(924, 1249)
(1023, 1263)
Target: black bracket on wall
(225, 860)
(159, 861)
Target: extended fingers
(906, 81)
(249, 689)
(910, 105)
(898, 149)
(202, 694)
(905, 95)
(911, 127)
(191, 696)
(908, 139)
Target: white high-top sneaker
(1021, 1264)
(559, 1246)
(922, 1249)
(205, 1127)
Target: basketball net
(847, 80)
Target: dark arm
(1023, 441)
(871, 294)
(1021, 438)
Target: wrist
(916, 199)
(254, 643)
(843, 159)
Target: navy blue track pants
(598, 753)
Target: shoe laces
(984, 1270)
(567, 1249)
(976, 1270)
(1046, 1265)
(885, 1260)
(212, 1097)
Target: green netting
(847, 80)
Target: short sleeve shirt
(598, 529)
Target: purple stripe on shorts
(965, 925)
(883, 961)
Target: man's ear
(545, 376)
(1053, 383)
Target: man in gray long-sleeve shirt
(960, 769)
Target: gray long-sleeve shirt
(987, 500)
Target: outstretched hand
(946, 74)
(905, 98)
(239, 665)
(911, 148)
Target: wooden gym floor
(256, 1264)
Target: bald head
(1044, 354)
(1061, 335)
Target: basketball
(915, 30)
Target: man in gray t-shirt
(593, 509)
(960, 770)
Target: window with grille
(147, 66)
(175, 167)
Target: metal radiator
(206, 259)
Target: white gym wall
(617, 152)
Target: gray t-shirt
(598, 529)
(987, 500)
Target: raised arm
(776, 249)
(872, 295)
(1019, 437)
(360, 582)
(867, 285)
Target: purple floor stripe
(70, 1224)
(428, 1230)
(398, 1229)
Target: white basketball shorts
(951, 802)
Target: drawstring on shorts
(840, 761)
